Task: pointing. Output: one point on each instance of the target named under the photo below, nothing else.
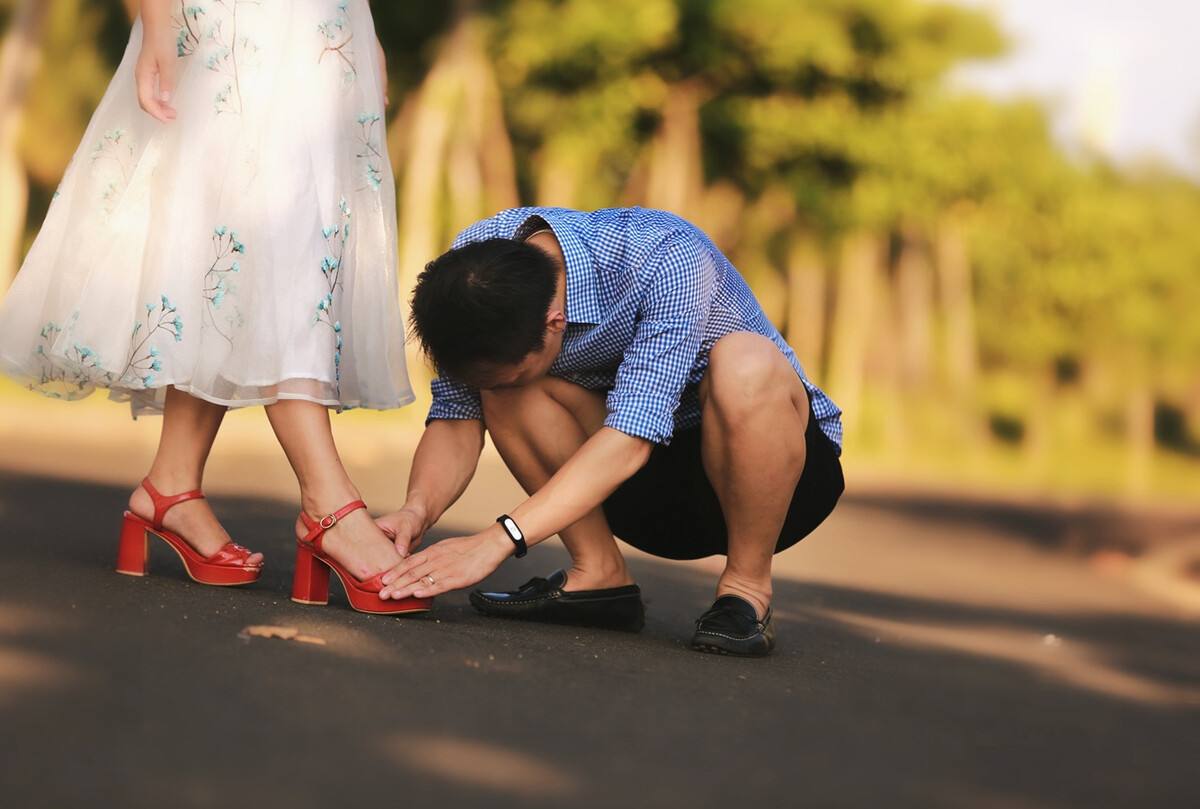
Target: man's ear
(556, 321)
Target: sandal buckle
(329, 521)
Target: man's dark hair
(484, 303)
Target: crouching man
(633, 385)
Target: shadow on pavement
(140, 692)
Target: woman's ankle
(320, 501)
(170, 480)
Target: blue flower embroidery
(336, 238)
(369, 151)
(144, 359)
(226, 245)
(339, 39)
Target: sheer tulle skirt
(245, 252)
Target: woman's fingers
(144, 76)
(167, 70)
(155, 88)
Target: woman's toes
(254, 559)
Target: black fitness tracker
(514, 533)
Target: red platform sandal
(311, 582)
(225, 568)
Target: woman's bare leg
(304, 433)
(189, 428)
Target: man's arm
(604, 462)
(443, 465)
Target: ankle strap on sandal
(164, 503)
(317, 528)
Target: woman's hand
(449, 565)
(405, 527)
(381, 56)
(156, 69)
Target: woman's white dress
(245, 252)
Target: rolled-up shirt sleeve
(454, 400)
(655, 368)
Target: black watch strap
(514, 533)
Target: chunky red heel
(311, 582)
(226, 567)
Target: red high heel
(311, 582)
(226, 567)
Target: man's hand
(451, 564)
(405, 527)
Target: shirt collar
(583, 300)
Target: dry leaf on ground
(280, 632)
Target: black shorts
(669, 508)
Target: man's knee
(503, 405)
(747, 373)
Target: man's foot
(732, 627)
(546, 600)
(356, 541)
(193, 521)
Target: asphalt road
(928, 659)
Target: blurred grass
(1072, 468)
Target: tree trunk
(958, 318)
(914, 315)
(675, 177)
(424, 178)
(458, 163)
(1038, 421)
(806, 305)
(20, 56)
(853, 315)
(1139, 438)
(488, 128)
(557, 184)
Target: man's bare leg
(537, 428)
(755, 413)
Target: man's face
(533, 367)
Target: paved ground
(930, 658)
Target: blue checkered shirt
(648, 295)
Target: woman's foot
(194, 520)
(355, 542)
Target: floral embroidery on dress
(86, 368)
(144, 362)
(336, 238)
(187, 20)
(369, 151)
(112, 160)
(228, 250)
(338, 40)
(231, 56)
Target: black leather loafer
(545, 600)
(731, 627)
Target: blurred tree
(20, 55)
